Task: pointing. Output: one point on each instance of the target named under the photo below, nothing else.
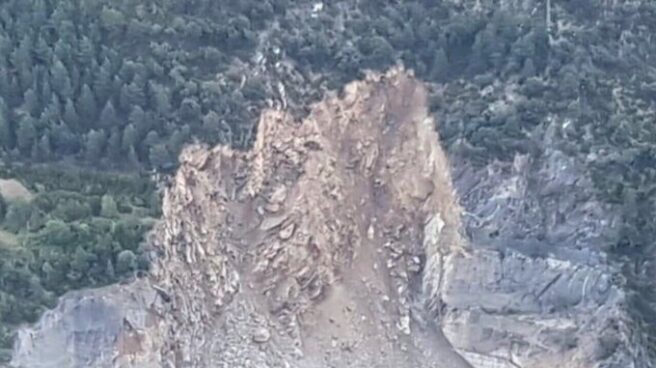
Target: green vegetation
(121, 86)
(81, 229)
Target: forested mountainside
(95, 96)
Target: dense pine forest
(96, 96)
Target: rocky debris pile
(337, 242)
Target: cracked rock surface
(344, 240)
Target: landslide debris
(306, 251)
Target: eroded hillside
(337, 242)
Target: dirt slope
(319, 229)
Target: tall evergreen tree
(87, 106)
(190, 110)
(5, 46)
(63, 51)
(94, 145)
(31, 103)
(42, 51)
(133, 158)
(22, 60)
(64, 141)
(178, 139)
(60, 80)
(152, 138)
(130, 137)
(42, 150)
(160, 157)
(6, 134)
(46, 90)
(13, 97)
(3, 207)
(109, 270)
(26, 133)
(39, 13)
(108, 207)
(70, 115)
(113, 21)
(80, 263)
(102, 84)
(126, 261)
(86, 51)
(76, 79)
(479, 60)
(4, 79)
(114, 146)
(440, 69)
(137, 116)
(211, 124)
(529, 68)
(108, 118)
(135, 94)
(52, 113)
(161, 99)
(124, 102)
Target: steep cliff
(340, 241)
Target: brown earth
(321, 228)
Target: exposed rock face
(538, 290)
(94, 328)
(337, 242)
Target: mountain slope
(338, 241)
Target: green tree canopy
(108, 207)
(126, 261)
